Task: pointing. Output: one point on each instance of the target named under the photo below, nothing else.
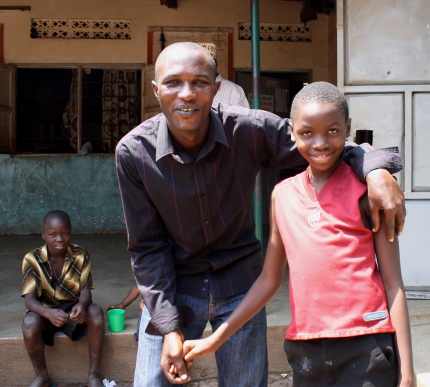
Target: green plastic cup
(116, 320)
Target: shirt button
(206, 281)
(202, 195)
(203, 289)
(207, 222)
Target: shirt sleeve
(29, 285)
(364, 159)
(241, 98)
(86, 279)
(151, 254)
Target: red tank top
(335, 286)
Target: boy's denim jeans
(241, 360)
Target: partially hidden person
(132, 295)
(57, 285)
(186, 178)
(350, 324)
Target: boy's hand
(198, 348)
(386, 195)
(78, 313)
(117, 306)
(57, 317)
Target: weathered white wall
(384, 51)
(388, 41)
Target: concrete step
(68, 361)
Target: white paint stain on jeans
(306, 364)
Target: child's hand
(117, 306)
(78, 313)
(197, 348)
(58, 317)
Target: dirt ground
(275, 380)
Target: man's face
(57, 234)
(185, 89)
(320, 131)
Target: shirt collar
(216, 134)
(44, 254)
(218, 78)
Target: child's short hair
(56, 214)
(320, 92)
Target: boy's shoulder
(290, 181)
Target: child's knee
(32, 324)
(95, 314)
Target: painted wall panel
(83, 186)
(382, 113)
(421, 141)
(415, 244)
(387, 42)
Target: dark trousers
(360, 361)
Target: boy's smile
(320, 131)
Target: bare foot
(43, 380)
(94, 380)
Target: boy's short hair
(57, 214)
(320, 92)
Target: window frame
(80, 67)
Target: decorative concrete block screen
(278, 32)
(80, 29)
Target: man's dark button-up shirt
(190, 221)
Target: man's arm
(152, 262)
(374, 167)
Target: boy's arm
(57, 317)
(129, 298)
(266, 285)
(388, 258)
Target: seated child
(129, 298)
(350, 323)
(57, 287)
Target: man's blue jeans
(241, 360)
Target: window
(61, 110)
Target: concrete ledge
(68, 361)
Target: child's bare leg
(96, 330)
(32, 328)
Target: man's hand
(385, 194)
(172, 359)
(57, 317)
(78, 313)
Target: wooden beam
(149, 58)
(1, 44)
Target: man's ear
(348, 127)
(155, 88)
(217, 85)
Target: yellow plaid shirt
(37, 276)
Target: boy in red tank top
(350, 323)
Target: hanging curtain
(70, 114)
(119, 94)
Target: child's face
(320, 131)
(56, 233)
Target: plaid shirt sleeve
(29, 284)
(86, 278)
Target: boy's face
(56, 233)
(320, 131)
